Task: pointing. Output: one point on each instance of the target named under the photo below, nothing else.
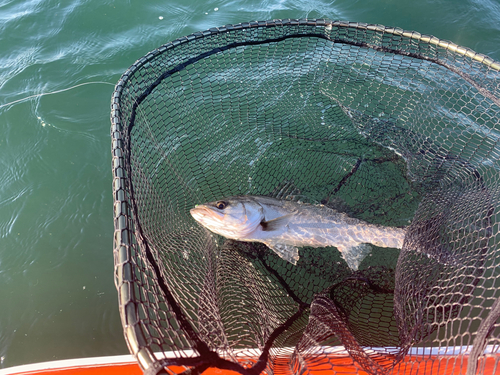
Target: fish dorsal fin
(287, 252)
(276, 224)
(354, 255)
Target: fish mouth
(197, 212)
(201, 212)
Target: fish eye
(221, 205)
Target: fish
(284, 226)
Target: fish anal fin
(276, 224)
(287, 252)
(354, 254)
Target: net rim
(430, 39)
(328, 24)
(123, 238)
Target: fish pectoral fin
(354, 255)
(287, 252)
(276, 224)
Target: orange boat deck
(126, 365)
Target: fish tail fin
(354, 255)
(287, 252)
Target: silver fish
(284, 226)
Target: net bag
(388, 126)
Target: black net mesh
(390, 127)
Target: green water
(56, 229)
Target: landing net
(388, 126)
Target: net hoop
(125, 239)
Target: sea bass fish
(284, 226)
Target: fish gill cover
(390, 127)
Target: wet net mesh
(390, 127)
